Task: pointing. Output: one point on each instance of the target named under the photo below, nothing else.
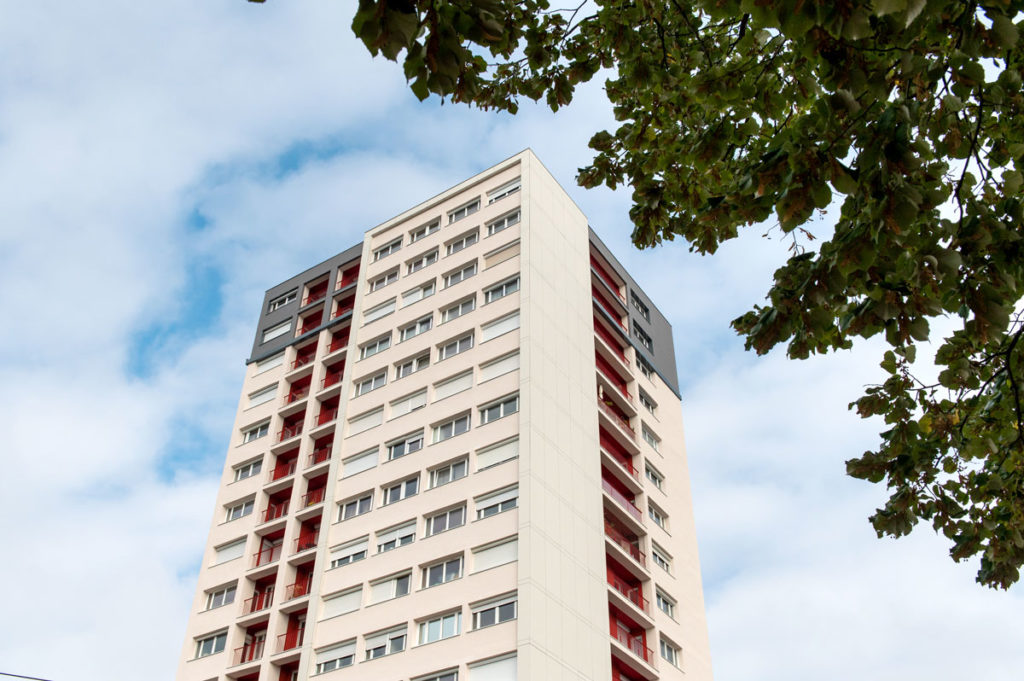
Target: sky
(163, 164)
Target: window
(418, 293)
(494, 612)
(409, 403)
(387, 249)
(277, 331)
(504, 190)
(456, 346)
(441, 627)
(665, 604)
(647, 402)
(452, 675)
(650, 438)
(502, 223)
(349, 552)
(641, 336)
(256, 432)
(497, 502)
(382, 310)
(493, 412)
(669, 652)
(661, 558)
(354, 507)
(500, 255)
(453, 384)
(499, 367)
(247, 470)
(358, 463)
(417, 327)
(645, 368)
(412, 366)
(639, 306)
(372, 383)
(501, 290)
(493, 555)
(658, 516)
(363, 422)
(447, 520)
(395, 537)
(406, 445)
(422, 261)
(373, 347)
(497, 453)
(269, 363)
(449, 473)
(222, 596)
(462, 274)
(449, 429)
(458, 309)
(336, 657)
(386, 643)
(464, 210)
(424, 231)
(281, 301)
(401, 490)
(499, 327)
(463, 242)
(240, 509)
(262, 396)
(653, 475)
(389, 277)
(211, 644)
(444, 571)
(340, 604)
(392, 587)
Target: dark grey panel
(662, 358)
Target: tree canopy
(903, 115)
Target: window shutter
(229, 552)
(492, 556)
(358, 463)
(498, 327)
(341, 604)
(453, 385)
(495, 670)
(365, 422)
(496, 454)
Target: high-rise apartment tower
(458, 456)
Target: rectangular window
(441, 627)
(349, 552)
(494, 612)
(501, 290)
(458, 309)
(653, 475)
(463, 242)
(463, 211)
(372, 383)
(452, 675)
(497, 502)
(392, 587)
(446, 520)
(499, 327)
(354, 507)
(460, 275)
(281, 301)
(256, 432)
(497, 453)
(406, 445)
(500, 255)
(211, 644)
(395, 537)
(449, 429)
(658, 516)
(424, 231)
(453, 385)
(444, 571)
(647, 402)
(669, 653)
(507, 189)
(639, 306)
(456, 346)
(449, 473)
(363, 422)
(223, 596)
(401, 490)
(665, 604)
(387, 249)
(409, 404)
(502, 223)
(269, 363)
(641, 336)
(661, 558)
(497, 410)
(419, 293)
(412, 366)
(247, 470)
(645, 368)
(386, 643)
(363, 461)
(650, 438)
(493, 555)
(277, 331)
(373, 347)
(336, 657)
(416, 328)
(422, 261)
(239, 510)
(389, 277)
(342, 603)
(382, 310)
(262, 396)
(499, 367)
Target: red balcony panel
(289, 672)
(284, 466)
(607, 278)
(313, 497)
(320, 455)
(613, 412)
(290, 640)
(632, 592)
(261, 600)
(628, 545)
(333, 376)
(338, 341)
(344, 307)
(304, 542)
(266, 555)
(298, 589)
(612, 375)
(625, 502)
(289, 432)
(612, 446)
(348, 277)
(326, 416)
(606, 305)
(610, 341)
(275, 511)
(635, 641)
(305, 356)
(621, 673)
(250, 652)
(316, 292)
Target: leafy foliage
(906, 113)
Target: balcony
(318, 292)
(632, 642)
(250, 652)
(619, 539)
(297, 393)
(337, 343)
(266, 555)
(275, 511)
(608, 309)
(303, 359)
(332, 378)
(622, 500)
(312, 497)
(602, 274)
(290, 640)
(348, 278)
(298, 589)
(288, 432)
(610, 342)
(326, 416)
(344, 308)
(282, 470)
(617, 418)
(612, 377)
(632, 592)
(319, 456)
(304, 542)
(260, 601)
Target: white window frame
(425, 291)
(455, 423)
(420, 326)
(404, 534)
(499, 501)
(405, 445)
(394, 642)
(256, 432)
(650, 438)
(462, 242)
(449, 675)
(648, 404)
(415, 364)
(268, 363)
(507, 189)
(282, 300)
(217, 643)
(455, 347)
(460, 275)
(248, 469)
(450, 622)
(276, 331)
(385, 279)
(346, 651)
(218, 598)
(387, 249)
(499, 606)
(669, 652)
(645, 368)
(262, 396)
(401, 585)
(445, 520)
(459, 309)
(442, 475)
(393, 492)
(654, 475)
(374, 347)
(423, 231)
(502, 223)
(499, 409)
(661, 558)
(463, 211)
(640, 306)
(444, 570)
(659, 517)
(422, 262)
(371, 383)
(379, 311)
(239, 510)
(666, 604)
(359, 505)
(344, 555)
(499, 291)
(642, 336)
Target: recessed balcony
(274, 512)
(259, 601)
(629, 546)
(250, 652)
(624, 502)
(632, 641)
(266, 556)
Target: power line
(20, 676)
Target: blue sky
(162, 164)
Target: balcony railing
(326, 416)
(290, 640)
(331, 379)
(603, 275)
(625, 544)
(297, 394)
(627, 464)
(266, 555)
(348, 278)
(303, 360)
(607, 310)
(304, 542)
(297, 590)
(337, 344)
(632, 592)
(603, 334)
(308, 326)
(319, 456)
(634, 642)
(610, 413)
(312, 497)
(259, 601)
(623, 500)
(250, 652)
(314, 295)
(275, 511)
(343, 309)
(289, 432)
(615, 381)
(282, 470)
